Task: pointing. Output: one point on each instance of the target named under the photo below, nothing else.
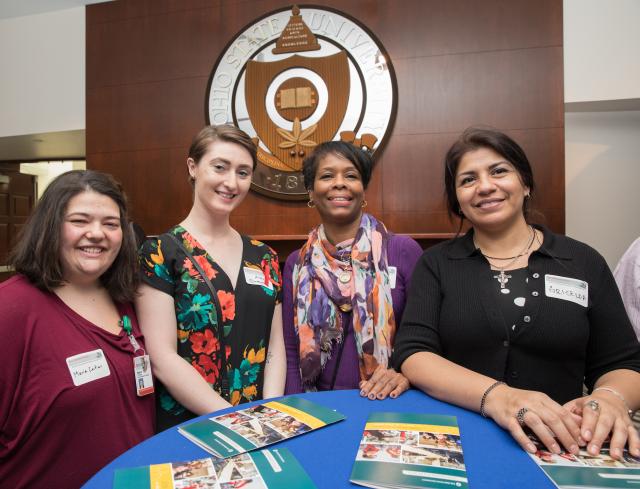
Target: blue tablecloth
(492, 458)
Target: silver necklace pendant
(344, 277)
(502, 278)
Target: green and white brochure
(244, 430)
(264, 469)
(404, 450)
(583, 470)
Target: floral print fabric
(244, 319)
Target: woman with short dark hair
(512, 320)
(210, 300)
(344, 290)
(69, 402)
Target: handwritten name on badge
(393, 273)
(568, 289)
(255, 277)
(87, 367)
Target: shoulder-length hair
(36, 254)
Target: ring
(520, 415)
(594, 405)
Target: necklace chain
(502, 277)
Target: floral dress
(245, 316)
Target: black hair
(360, 158)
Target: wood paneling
(458, 63)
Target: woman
(69, 401)
(344, 290)
(209, 305)
(511, 319)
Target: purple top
(402, 253)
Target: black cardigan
(451, 311)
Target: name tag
(142, 372)
(568, 289)
(87, 367)
(255, 277)
(393, 272)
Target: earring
(527, 195)
(364, 204)
(311, 204)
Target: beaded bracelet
(617, 394)
(486, 393)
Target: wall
(601, 50)
(148, 64)
(602, 123)
(602, 176)
(42, 85)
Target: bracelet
(486, 393)
(617, 394)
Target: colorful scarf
(319, 298)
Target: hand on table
(552, 423)
(384, 382)
(607, 416)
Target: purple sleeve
(294, 381)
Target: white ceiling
(18, 8)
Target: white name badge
(568, 289)
(393, 272)
(255, 277)
(87, 367)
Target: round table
(492, 458)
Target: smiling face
(222, 177)
(91, 237)
(338, 191)
(489, 189)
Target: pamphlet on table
(583, 470)
(262, 469)
(404, 450)
(241, 431)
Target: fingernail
(372, 396)
(363, 393)
(531, 448)
(393, 395)
(635, 452)
(555, 448)
(586, 435)
(581, 441)
(615, 452)
(593, 449)
(380, 396)
(574, 449)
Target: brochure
(255, 427)
(583, 470)
(407, 450)
(258, 470)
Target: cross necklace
(502, 277)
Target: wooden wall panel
(458, 63)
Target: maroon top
(402, 253)
(52, 433)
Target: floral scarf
(319, 296)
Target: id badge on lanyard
(141, 363)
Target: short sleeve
(154, 267)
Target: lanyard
(125, 322)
